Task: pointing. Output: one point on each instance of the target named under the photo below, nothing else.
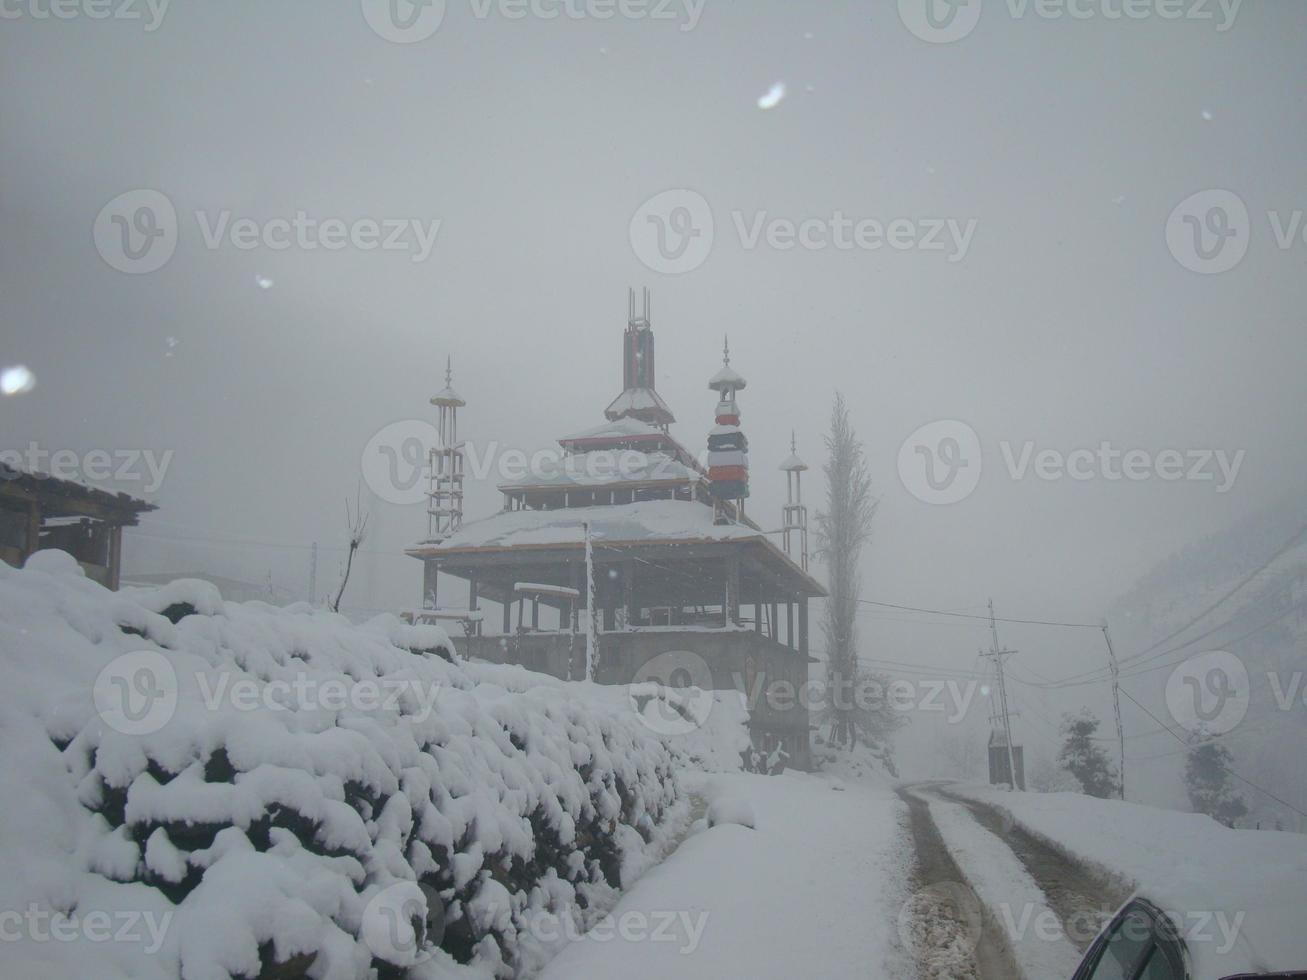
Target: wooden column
(115, 554)
(789, 625)
(732, 589)
(33, 541)
(775, 621)
(803, 625)
(508, 616)
(430, 575)
(535, 612)
(628, 590)
(472, 601)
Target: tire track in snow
(1082, 900)
(1013, 901)
(942, 924)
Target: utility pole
(998, 655)
(1116, 700)
(313, 575)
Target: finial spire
(726, 349)
(794, 448)
(449, 369)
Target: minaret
(728, 449)
(445, 461)
(794, 515)
(638, 399)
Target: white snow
(813, 891)
(249, 817)
(1240, 894)
(662, 520)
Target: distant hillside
(1264, 624)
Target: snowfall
(204, 789)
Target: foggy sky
(534, 142)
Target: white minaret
(794, 515)
(445, 461)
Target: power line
(1223, 768)
(984, 619)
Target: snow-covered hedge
(280, 792)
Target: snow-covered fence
(299, 793)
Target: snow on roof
(635, 400)
(602, 468)
(727, 377)
(447, 396)
(793, 463)
(543, 588)
(615, 429)
(649, 520)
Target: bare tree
(842, 529)
(357, 522)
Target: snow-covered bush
(291, 794)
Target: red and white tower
(728, 449)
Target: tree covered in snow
(1085, 758)
(842, 529)
(1207, 780)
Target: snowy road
(813, 891)
(993, 901)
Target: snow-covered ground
(813, 890)
(1239, 896)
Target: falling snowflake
(264, 282)
(17, 380)
(773, 97)
(1207, 116)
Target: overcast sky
(1065, 319)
